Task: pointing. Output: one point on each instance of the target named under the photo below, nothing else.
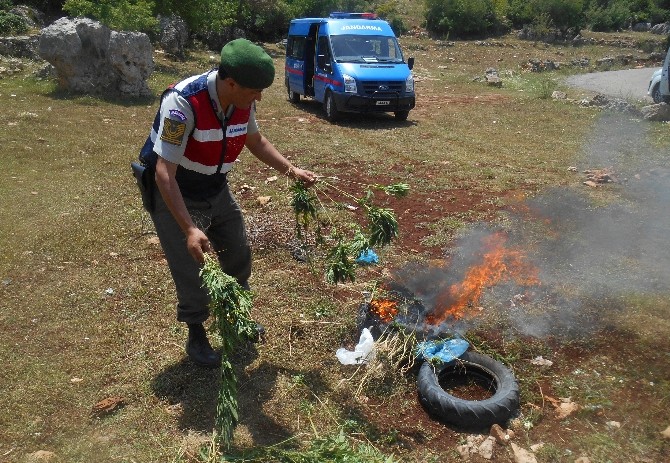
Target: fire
(384, 309)
(498, 263)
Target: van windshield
(365, 48)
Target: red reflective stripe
(295, 71)
(328, 81)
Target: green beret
(247, 64)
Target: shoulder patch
(173, 131)
(177, 114)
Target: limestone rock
(92, 59)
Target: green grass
(87, 303)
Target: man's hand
(197, 244)
(306, 176)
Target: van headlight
(409, 83)
(349, 84)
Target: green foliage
(382, 227)
(547, 14)
(616, 15)
(461, 18)
(120, 15)
(231, 308)
(336, 448)
(11, 24)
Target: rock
(494, 81)
(485, 449)
(661, 29)
(522, 455)
(264, 200)
(20, 46)
(173, 35)
(666, 433)
(656, 112)
(92, 59)
(40, 456)
(502, 436)
(558, 95)
(613, 424)
(541, 361)
(583, 460)
(565, 409)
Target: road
(629, 84)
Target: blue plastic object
(444, 350)
(367, 257)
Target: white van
(659, 86)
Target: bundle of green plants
(231, 309)
(379, 231)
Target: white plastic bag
(362, 353)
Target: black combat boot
(199, 349)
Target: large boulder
(173, 36)
(656, 112)
(92, 59)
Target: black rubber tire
(401, 115)
(329, 106)
(656, 94)
(293, 97)
(470, 414)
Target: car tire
(401, 115)
(469, 414)
(329, 106)
(656, 94)
(293, 97)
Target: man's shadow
(192, 392)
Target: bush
(120, 15)
(612, 18)
(11, 24)
(460, 18)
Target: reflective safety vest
(208, 156)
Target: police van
(350, 62)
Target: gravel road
(629, 84)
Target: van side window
(324, 48)
(295, 47)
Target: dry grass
(87, 304)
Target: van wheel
(401, 115)
(293, 97)
(656, 94)
(332, 114)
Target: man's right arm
(196, 240)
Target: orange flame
(497, 263)
(384, 309)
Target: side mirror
(410, 62)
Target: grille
(371, 88)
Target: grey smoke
(592, 252)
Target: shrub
(460, 18)
(11, 24)
(124, 15)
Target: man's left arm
(268, 154)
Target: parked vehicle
(659, 88)
(654, 90)
(350, 62)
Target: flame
(384, 309)
(497, 263)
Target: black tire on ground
(656, 94)
(329, 106)
(401, 115)
(470, 414)
(293, 97)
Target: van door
(665, 77)
(324, 72)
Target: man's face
(244, 97)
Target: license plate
(383, 103)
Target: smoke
(593, 248)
